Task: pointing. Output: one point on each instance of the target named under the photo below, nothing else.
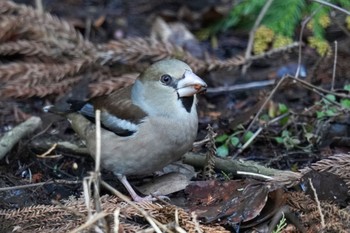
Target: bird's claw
(150, 198)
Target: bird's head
(164, 84)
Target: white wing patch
(116, 124)
(111, 122)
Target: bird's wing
(118, 113)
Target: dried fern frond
(338, 164)
(38, 79)
(41, 55)
(112, 83)
(336, 219)
(44, 25)
(32, 74)
(17, 91)
(9, 26)
(43, 49)
(73, 213)
(134, 50)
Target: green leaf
(282, 108)
(247, 136)
(284, 19)
(347, 87)
(318, 12)
(222, 151)
(320, 114)
(279, 140)
(221, 138)
(345, 103)
(240, 11)
(330, 113)
(309, 136)
(285, 133)
(344, 3)
(235, 141)
(295, 141)
(330, 97)
(327, 98)
(284, 120)
(226, 176)
(264, 117)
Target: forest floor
(301, 124)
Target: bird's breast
(158, 142)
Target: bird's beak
(190, 84)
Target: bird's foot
(150, 198)
(135, 196)
(156, 196)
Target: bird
(145, 126)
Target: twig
(309, 86)
(39, 6)
(177, 225)
(250, 140)
(318, 204)
(87, 194)
(303, 24)
(39, 184)
(88, 27)
(69, 147)
(257, 132)
(12, 137)
(275, 50)
(252, 33)
(98, 141)
(116, 214)
(45, 154)
(97, 174)
(91, 221)
(232, 166)
(319, 90)
(333, 6)
(255, 175)
(313, 87)
(334, 64)
(94, 180)
(196, 223)
(240, 87)
(154, 223)
(41, 132)
(204, 141)
(265, 103)
(340, 25)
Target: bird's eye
(166, 79)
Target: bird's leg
(132, 192)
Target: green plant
(328, 108)
(240, 136)
(347, 87)
(298, 135)
(278, 26)
(225, 141)
(280, 110)
(288, 140)
(281, 224)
